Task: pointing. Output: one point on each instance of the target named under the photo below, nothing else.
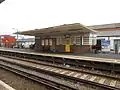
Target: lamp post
(17, 32)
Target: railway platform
(4, 86)
(99, 61)
(63, 60)
(110, 55)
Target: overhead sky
(34, 14)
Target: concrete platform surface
(100, 57)
(4, 86)
(109, 55)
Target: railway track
(112, 75)
(36, 76)
(79, 76)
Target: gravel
(19, 82)
(78, 86)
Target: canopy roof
(113, 33)
(104, 26)
(58, 30)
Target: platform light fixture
(67, 35)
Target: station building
(109, 32)
(64, 38)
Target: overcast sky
(33, 14)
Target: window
(50, 42)
(46, 41)
(73, 40)
(79, 40)
(63, 40)
(43, 43)
(58, 41)
(85, 40)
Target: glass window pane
(46, 41)
(50, 42)
(79, 40)
(43, 43)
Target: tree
(1, 1)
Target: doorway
(99, 42)
(52, 44)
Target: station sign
(105, 43)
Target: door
(99, 42)
(117, 46)
(52, 43)
(46, 46)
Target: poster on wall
(105, 45)
(67, 48)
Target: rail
(93, 79)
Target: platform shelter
(64, 38)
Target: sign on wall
(105, 43)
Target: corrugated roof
(109, 33)
(112, 25)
